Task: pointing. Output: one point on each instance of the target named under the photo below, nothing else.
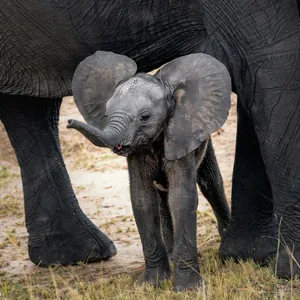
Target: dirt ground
(100, 181)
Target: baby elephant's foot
(186, 278)
(156, 275)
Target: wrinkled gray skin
(162, 125)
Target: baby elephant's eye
(145, 117)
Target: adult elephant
(259, 42)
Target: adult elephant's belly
(42, 42)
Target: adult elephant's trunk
(100, 138)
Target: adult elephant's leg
(59, 232)
(252, 231)
(210, 181)
(276, 114)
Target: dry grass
(244, 280)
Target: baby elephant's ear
(201, 88)
(96, 79)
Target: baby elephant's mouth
(121, 149)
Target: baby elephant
(162, 124)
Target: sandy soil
(100, 181)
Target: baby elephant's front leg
(183, 201)
(145, 207)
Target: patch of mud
(102, 187)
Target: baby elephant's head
(187, 100)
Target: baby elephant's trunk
(100, 138)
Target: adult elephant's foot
(288, 264)
(242, 243)
(76, 240)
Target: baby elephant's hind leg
(211, 185)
